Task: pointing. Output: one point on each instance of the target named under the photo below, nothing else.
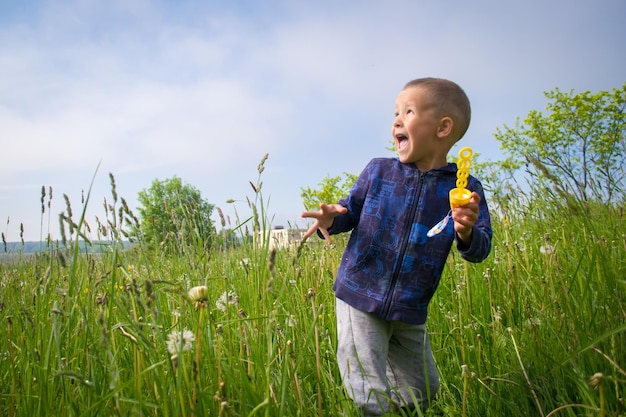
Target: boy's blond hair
(448, 99)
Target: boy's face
(415, 129)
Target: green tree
(175, 214)
(330, 190)
(578, 148)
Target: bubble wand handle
(460, 196)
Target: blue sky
(203, 89)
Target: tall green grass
(538, 329)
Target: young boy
(390, 268)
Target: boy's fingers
(308, 214)
(322, 214)
(310, 232)
(326, 236)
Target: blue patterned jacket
(390, 267)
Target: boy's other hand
(464, 219)
(324, 218)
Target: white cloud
(159, 88)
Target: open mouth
(401, 142)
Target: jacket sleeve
(480, 246)
(353, 202)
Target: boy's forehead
(413, 94)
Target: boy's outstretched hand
(324, 218)
(464, 219)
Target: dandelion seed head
(178, 342)
(227, 298)
(596, 379)
(199, 295)
(534, 321)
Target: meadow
(538, 329)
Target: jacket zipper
(405, 242)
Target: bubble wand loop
(460, 195)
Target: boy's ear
(446, 125)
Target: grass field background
(538, 329)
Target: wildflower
(534, 321)
(498, 315)
(465, 371)
(487, 273)
(199, 295)
(596, 379)
(180, 341)
(227, 298)
(450, 316)
(547, 249)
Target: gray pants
(384, 364)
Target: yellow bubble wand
(459, 196)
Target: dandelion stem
(466, 376)
(532, 389)
(566, 406)
(317, 355)
(196, 373)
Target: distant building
(280, 238)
